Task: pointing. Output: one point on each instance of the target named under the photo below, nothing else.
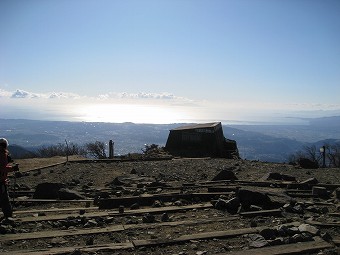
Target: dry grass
(33, 163)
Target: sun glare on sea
(118, 113)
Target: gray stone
(279, 177)
(308, 228)
(319, 191)
(157, 203)
(165, 217)
(276, 241)
(134, 206)
(248, 197)
(293, 230)
(67, 194)
(255, 208)
(90, 240)
(148, 218)
(268, 233)
(48, 190)
(307, 163)
(310, 181)
(90, 224)
(298, 209)
(230, 205)
(225, 175)
(296, 238)
(326, 236)
(121, 209)
(337, 193)
(313, 209)
(307, 237)
(257, 241)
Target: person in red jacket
(5, 168)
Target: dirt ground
(144, 229)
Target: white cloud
(4, 93)
(141, 95)
(135, 107)
(19, 93)
(63, 95)
(23, 94)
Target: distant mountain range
(272, 143)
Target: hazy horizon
(147, 61)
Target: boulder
(225, 175)
(312, 181)
(257, 241)
(320, 191)
(231, 205)
(148, 218)
(268, 233)
(279, 177)
(67, 194)
(165, 217)
(248, 198)
(117, 182)
(134, 206)
(337, 193)
(309, 229)
(307, 163)
(48, 190)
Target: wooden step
(286, 249)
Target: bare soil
(129, 233)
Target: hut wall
(208, 141)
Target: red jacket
(5, 168)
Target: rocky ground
(177, 206)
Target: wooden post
(111, 143)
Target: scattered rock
(320, 191)
(326, 236)
(255, 208)
(277, 241)
(67, 194)
(134, 206)
(279, 177)
(48, 190)
(157, 203)
(156, 184)
(337, 193)
(257, 241)
(57, 241)
(90, 240)
(307, 163)
(268, 233)
(90, 224)
(253, 223)
(225, 175)
(248, 198)
(121, 209)
(148, 218)
(76, 252)
(165, 217)
(231, 205)
(308, 228)
(117, 182)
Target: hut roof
(195, 126)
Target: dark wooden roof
(195, 126)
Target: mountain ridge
(264, 143)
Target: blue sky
(169, 61)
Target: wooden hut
(201, 140)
